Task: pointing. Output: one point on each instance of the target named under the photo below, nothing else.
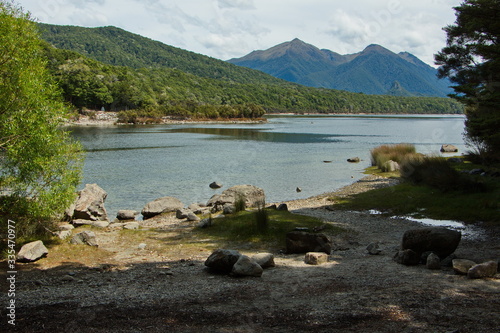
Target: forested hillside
(155, 89)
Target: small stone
(126, 214)
(433, 261)
(182, 213)
(265, 260)
(32, 251)
(68, 278)
(462, 266)
(192, 217)
(131, 225)
(298, 190)
(85, 237)
(246, 266)
(215, 185)
(65, 226)
(373, 248)
(142, 246)
(101, 224)
(407, 257)
(316, 258)
(485, 270)
(353, 160)
(63, 234)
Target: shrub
(262, 218)
(436, 172)
(239, 203)
(380, 155)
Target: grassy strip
(243, 229)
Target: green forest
(119, 71)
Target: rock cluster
(236, 264)
(435, 247)
(253, 196)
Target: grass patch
(424, 201)
(382, 154)
(243, 229)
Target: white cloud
(233, 28)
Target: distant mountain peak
(371, 71)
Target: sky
(226, 29)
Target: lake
(137, 164)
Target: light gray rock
(90, 204)
(228, 209)
(117, 225)
(63, 234)
(32, 251)
(205, 223)
(485, 270)
(142, 246)
(446, 148)
(161, 205)
(353, 160)
(131, 225)
(253, 196)
(101, 224)
(80, 222)
(222, 260)
(433, 261)
(316, 258)
(265, 260)
(192, 217)
(373, 248)
(198, 208)
(126, 214)
(85, 237)
(183, 213)
(462, 266)
(246, 266)
(65, 226)
(390, 166)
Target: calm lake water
(137, 164)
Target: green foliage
(40, 164)
(424, 201)
(262, 218)
(164, 79)
(436, 172)
(239, 204)
(471, 60)
(380, 155)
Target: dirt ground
(147, 290)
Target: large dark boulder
(222, 260)
(440, 241)
(303, 242)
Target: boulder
(265, 260)
(198, 208)
(433, 261)
(65, 226)
(462, 266)
(182, 213)
(222, 260)
(449, 149)
(441, 241)
(228, 209)
(205, 223)
(161, 205)
(215, 185)
(407, 257)
(63, 234)
(283, 207)
(32, 251)
(126, 214)
(90, 204)
(252, 195)
(246, 266)
(316, 258)
(303, 242)
(353, 160)
(85, 237)
(390, 166)
(484, 270)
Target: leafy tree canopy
(40, 166)
(471, 60)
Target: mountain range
(375, 70)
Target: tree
(40, 164)
(471, 59)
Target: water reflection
(260, 135)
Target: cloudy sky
(226, 29)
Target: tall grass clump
(240, 203)
(261, 218)
(436, 172)
(382, 154)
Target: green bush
(380, 155)
(239, 204)
(436, 172)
